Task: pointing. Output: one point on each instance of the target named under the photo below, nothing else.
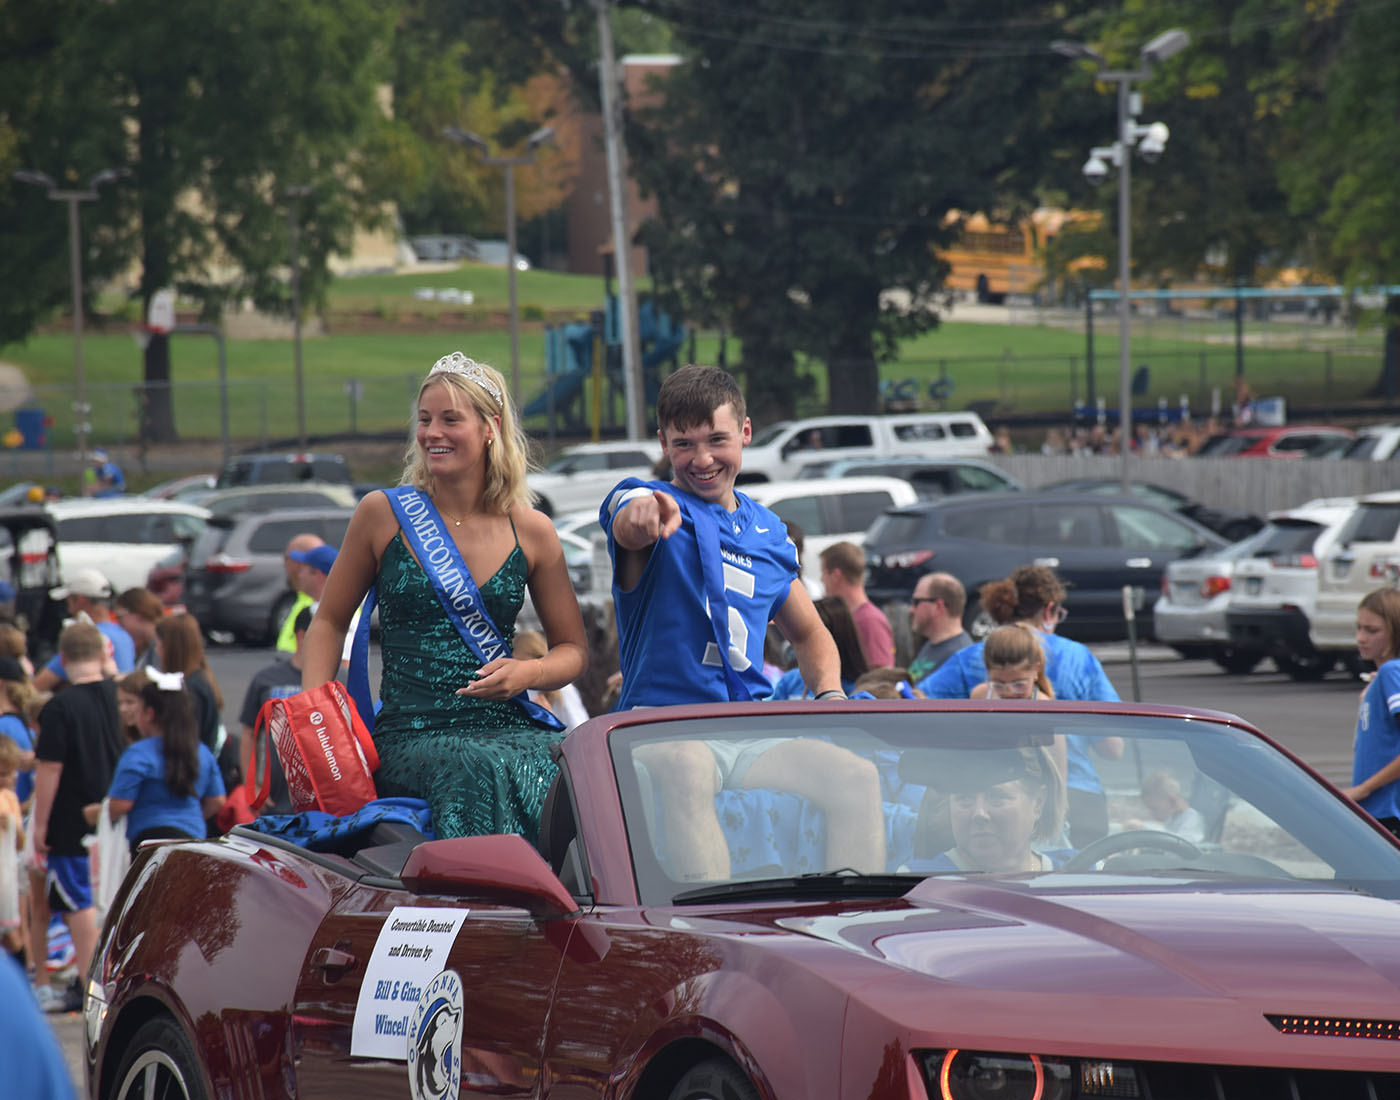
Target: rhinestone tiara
(470, 369)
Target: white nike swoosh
(761, 530)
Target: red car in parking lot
(1297, 441)
(1243, 946)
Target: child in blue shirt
(1376, 761)
(167, 783)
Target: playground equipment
(584, 352)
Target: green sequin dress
(481, 764)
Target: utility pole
(622, 246)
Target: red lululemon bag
(327, 753)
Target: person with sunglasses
(935, 614)
(1034, 597)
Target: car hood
(1288, 952)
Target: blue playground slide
(565, 386)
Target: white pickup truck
(781, 450)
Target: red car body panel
(256, 950)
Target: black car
(1233, 525)
(278, 469)
(1096, 545)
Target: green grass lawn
(1001, 367)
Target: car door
(1069, 537)
(507, 963)
(1146, 540)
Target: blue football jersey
(1378, 739)
(666, 638)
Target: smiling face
(1372, 637)
(451, 435)
(705, 459)
(993, 827)
(128, 708)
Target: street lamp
(1149, 140)
(295, 193)
(75, 264)
(532, 143)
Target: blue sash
(452, 583)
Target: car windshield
(768, 434)
(1222, 446)
(974, 793)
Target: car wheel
(714, 1080)
(160, 1064)
(1306, 666)
(1238, 661)
(976, 621)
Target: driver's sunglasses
(924, 599)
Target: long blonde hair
(507, 458)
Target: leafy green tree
(215, 109)
(806, 163)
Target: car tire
(715, 1079)
(1237, 662)
(976, 621)
(1306, 667)
(159, 1062)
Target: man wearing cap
(105, 478)
(89, 597)
(286, 636)
(314, 567)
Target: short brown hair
(845, 558)
(946, 587)
(81, 642)
(142, 602)
(690, 397)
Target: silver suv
(1274, 591)
(235, 580)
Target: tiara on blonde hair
(470, 369)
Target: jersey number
(735, 580)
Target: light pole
(75, 264)
(532, 143)
(1149, 141)
(295, 193)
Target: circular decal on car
(435, 1039)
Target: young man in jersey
(667, 637)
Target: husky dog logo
(435, 1040)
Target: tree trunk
(769, 373)
(853, 376)
(1388, 382)
(157, 407)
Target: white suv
(123, 537)
(1366, 555)
(1274, 591)
(580, 477)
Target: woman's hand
(504, 678)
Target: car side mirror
(503, 869)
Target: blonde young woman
(449, 729)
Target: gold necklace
(455, 521)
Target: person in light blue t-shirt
(1034, 597)
(1376, 762)
(672, 545)
(168, 783)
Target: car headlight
(985, 1075)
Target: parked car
(496, 254)
(262, 469)
(1226, 522)
(582, 475)
(1365, 555)
(182, 488)
(1255, 960)
(29, 564)
(1096, 545)
(781, 450)
(1274, 599)
(123, 537)
(831, 510)
(931, 478)
(235, 580)
(1375, 443)
(1301, 441)
(1189, 615)
(275, 497)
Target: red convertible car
(1231, 934)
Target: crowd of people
(123, 726)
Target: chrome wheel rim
(154, 1076)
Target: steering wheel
(1127, 840)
